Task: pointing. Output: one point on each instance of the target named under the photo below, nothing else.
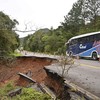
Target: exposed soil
(23, 65)
(36, 66)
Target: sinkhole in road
(35, 65)
(23, 64)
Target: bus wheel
(94, 56)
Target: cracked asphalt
(85, 74)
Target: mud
(23, 65)
(35, 65)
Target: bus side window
(83, 40)
(75, 41)
(91, 38)
(87, 39)
(98, 37)
(94, 38)
(79, 40)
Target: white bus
(86, 45)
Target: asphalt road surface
(85, 74)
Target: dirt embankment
(23, 65)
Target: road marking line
(85, 65)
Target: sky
(36, 14)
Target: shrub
(31, 94)
(26, 94)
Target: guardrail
(72, 88)
(80, 91)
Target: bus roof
(83, 35)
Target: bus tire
(94, 56)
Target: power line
(20, 30)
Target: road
(85, 74)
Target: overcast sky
(36, 14)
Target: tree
(47, 41)
(92, 9)
(9, 40)
(66, 63)
(74, 19)
(83, 14)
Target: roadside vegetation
(26, 93)
(66, 63)
(84, 17)
(15, 54)
(9, 40)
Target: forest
(9, 40)
(84, 17)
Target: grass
(16, 54)
(26, 94)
